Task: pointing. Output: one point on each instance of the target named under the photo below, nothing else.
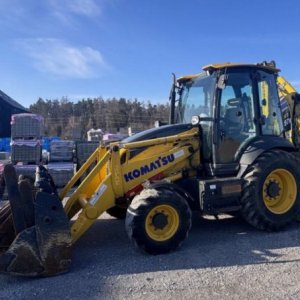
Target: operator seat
(232, 130)
(233, 120)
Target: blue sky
(129, 48)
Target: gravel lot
(222, 259)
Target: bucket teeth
(7, 232)
(18, 208)
(34, 229)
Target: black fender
(249, 152)
(180, 190)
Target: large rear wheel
(158, 221)
(271, 197)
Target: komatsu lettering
(161, 161)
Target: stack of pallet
(61, 172)
(84, 149)
(27, 126)
(26, 170)
(61, 165)
(26, 142)
(61, 151)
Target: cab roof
(213, 67)
(264, 65)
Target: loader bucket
(35, 235)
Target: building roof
(11, 102)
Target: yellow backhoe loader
(232, 145)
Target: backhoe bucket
(35, 235)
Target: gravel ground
(221, 259)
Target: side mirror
(222, 82)
(195, 120)
(200, 119)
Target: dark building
(8, 107)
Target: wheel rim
(162, 222)
(279, 191)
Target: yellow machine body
(116, 175)
(214, 165)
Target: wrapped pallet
(26, 151)
(83, 151)
(26, 170)
(27, 126)
(113, 137)
(61, 151)
(4, 156)
(61, 172)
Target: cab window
(270, 110)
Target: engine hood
(163, 131)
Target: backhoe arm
(290, 106)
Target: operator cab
(236, 104)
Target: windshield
(196, 98)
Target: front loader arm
(117, 176)
(35, 232)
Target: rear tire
(271, 197)
(158, 221)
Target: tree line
(68, 119)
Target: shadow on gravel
(211, 243)
(105, 251)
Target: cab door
(271, 119)
(235, 122)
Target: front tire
(158, 221)
(271, 197)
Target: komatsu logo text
(161, 161)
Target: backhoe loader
(232, 145)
